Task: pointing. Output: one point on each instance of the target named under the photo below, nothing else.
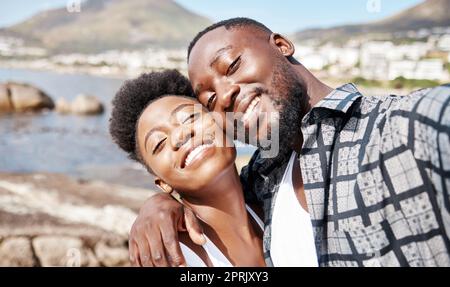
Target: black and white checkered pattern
(376, 172)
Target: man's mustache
(256, 90)
(259, 90)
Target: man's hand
(154, 235)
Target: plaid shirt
(376, 174)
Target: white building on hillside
(315, 61)
(444, 43)
(374, 60)
(385, 61)
(432, 69)
(405, 68)
(346, 57)
(310, 57)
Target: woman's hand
(154, 235)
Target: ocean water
(74, 145)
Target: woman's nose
(181, 135)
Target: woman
(158, 122)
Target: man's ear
(163, 185)
(283, 44)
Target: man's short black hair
(228, 24)
(132, 99)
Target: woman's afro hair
(132, 99)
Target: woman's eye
(210, 103)
(191, 118)
(234, 66)
(159, 146)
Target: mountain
(428, 14)
(111, 24)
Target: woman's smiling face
(182, 144)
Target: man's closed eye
(210, 104)
(234, 66)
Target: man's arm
(440, 97)
(431, 142)
(154, 235)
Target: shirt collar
(266, 166)
(339, 100)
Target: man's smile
(246, 109)
(251, 111)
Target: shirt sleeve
(444, 153)
(432, 138)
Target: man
(375, 172)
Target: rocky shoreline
(22, 97)
(55, 220)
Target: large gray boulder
(86, 105)
(19, 97)
(111, 256)
(16, 252)
(57, 251)
(81, 105)
(5, 99)
(63, 106)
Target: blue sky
(284, 16)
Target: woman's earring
(164, 187)
(168, 189)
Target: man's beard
(289, 96)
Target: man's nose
(226, 96)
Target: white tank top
(292, 242)
(215, 255)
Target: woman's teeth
(250, 109)
(195, 152)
